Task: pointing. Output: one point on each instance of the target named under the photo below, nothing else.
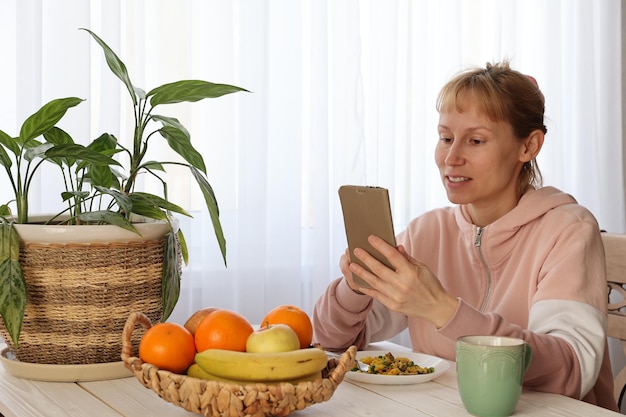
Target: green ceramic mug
(490, 370)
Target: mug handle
(528, 356)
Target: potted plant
(99, 181)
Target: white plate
(423, 360)
(63, 373)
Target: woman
(510, 258)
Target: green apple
(273, 338)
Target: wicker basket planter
(82, 283)
(221, 399)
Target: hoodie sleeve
(567, 364)
(339, 317)
(342, 318)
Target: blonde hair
(503, 94)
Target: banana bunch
(197, 372)
(246, 367)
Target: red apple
(192, 322)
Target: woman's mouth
(457, 179)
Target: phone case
(366, 211)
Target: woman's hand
(344, 265)
(412, 289)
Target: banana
(197, 372)
(262, 367)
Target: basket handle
(127, 345)
(344, 365)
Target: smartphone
(366, 211)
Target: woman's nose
(454, 155)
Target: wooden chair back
(615, 250)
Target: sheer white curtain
(341, 92)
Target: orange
(294, 317)
(223, 329)
(168, 346)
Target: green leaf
(123, 201)
(5, 160)
(103, 144)
(80, 195)
(115, 184)
(171, 121)
(116, 65)
(9, 242)
(170, 279)
(57, 136)
(189, 90)
(46, 117)
(141, 93)
(150, 211)
(183, 246)
(211, 203)
(108, 217)
(181, 144)
(100, 175)
(37, 152)
(156, 201)
(180, 141)
(12, 297)
(10, 143)
(12, 283)
(5, 210)
(154, 165)
(80, 152)
(114, 178)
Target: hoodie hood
(533, 204)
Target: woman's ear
(531, 146)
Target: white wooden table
(127, 397)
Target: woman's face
(479, 161)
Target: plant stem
(22, 208)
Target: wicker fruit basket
(222, 399)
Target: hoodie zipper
(477, 242)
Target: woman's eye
(476, 141)
(446, 140)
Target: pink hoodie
(537, 273)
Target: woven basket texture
(79, 297)
(222, 399)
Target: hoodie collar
(533, 204)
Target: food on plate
(388, 364)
